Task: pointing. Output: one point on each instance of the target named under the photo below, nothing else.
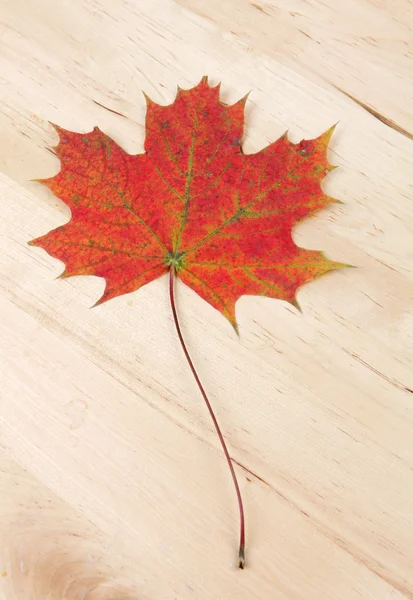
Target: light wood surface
(112, 482)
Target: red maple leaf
(193, 204)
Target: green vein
(119, 193)
(168, 185)
(236, 280)
(169, 149)
(121, 196)
(90, 265)
(134, 212)
(266, 284)
(215, 154)
(212, 291)
(239, 213)
(123, 284)
(254, 266)
(239, 235)
(190, 175)
(237, 195)
(102, 249)
(263, 171)
(214, 182)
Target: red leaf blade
(193, 200)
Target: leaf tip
(59, 130)
(331, 200)
(335, 266)
(55, 126)
(244, 99)
(148, 100)
(107, 295)
(63, 275)
(236, 328)
(98, 302)
(294, 302)
(326, 136)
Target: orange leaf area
(192, 201)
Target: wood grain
(112, 483)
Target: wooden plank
(112, 481)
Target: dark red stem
(241, 553)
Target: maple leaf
(194, 205)
(193, 201)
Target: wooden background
(112, 482)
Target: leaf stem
(241, 551)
